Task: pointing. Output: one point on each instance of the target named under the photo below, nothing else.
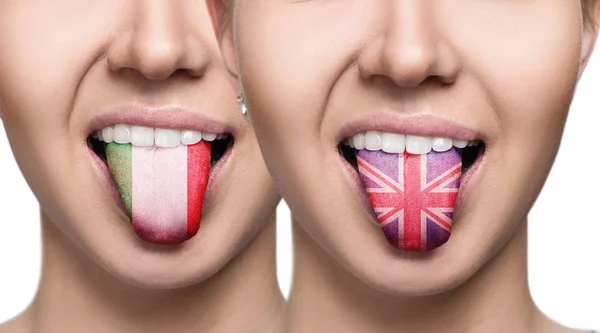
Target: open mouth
(161, 175)
(412, 183)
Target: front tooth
(190, 137)
(418, 144)
(460, 143)
(167, 138)
(393, 143)
(209, 136)
(122, 134)
(107, 134)
(142, 136)
(373, 140)
(350, 142)
(359, 141)
(441, 144)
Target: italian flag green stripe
(120, 165)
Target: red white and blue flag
(413, 195)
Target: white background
(564, 225)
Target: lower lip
(466, 180)
(214, 176)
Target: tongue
(162, 189)
(413, 196)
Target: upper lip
(164, 117)
(409, 124)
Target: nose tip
(158, 60)
(409, 66)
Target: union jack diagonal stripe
(413, 195)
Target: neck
(327, 298)
(76, 293)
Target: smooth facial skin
(69, 68)
(317, 72)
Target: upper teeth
(398, 143)
(147, 136)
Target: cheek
(45, 50)
(528, 80)
(290, 57)
(528, 76)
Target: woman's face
(150, 77)
(405, 81)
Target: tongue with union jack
(413, 196)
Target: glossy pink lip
(166, 117)
(422, 125)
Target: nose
(162, 41)
(410, 47)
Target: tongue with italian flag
(413, 196)
(162, 189)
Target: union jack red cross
(413, 195)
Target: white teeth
(460, 143)
(190, 137)
(209, 136)
(167, 138)
(441, 144)
(418, 144)
(122, 133)
(398, 143)
(359, 141)
(373, 140)
(350, 142)
(393, 143)
(107, 134)
(142, 136)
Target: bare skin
(482, 304)
(97, 301)
(310, 70)
(69, 63)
